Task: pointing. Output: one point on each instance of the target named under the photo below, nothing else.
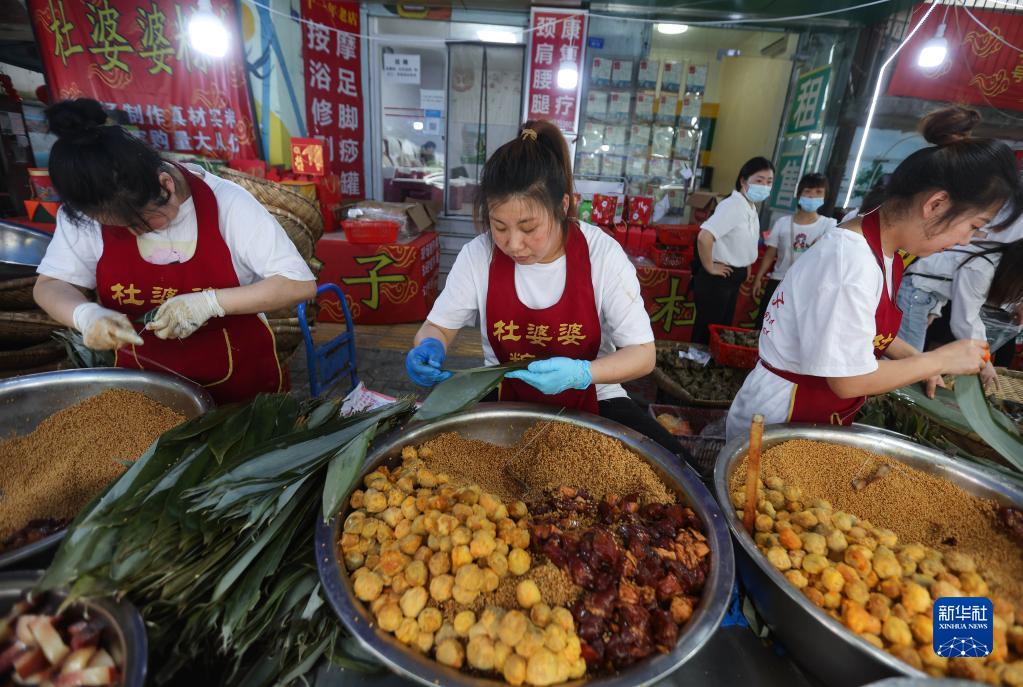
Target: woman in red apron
(190, 307)
(829, 337)
(546, 289)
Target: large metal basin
(503, 424)
(27, 401)
(126, 629)
(21, 250)
(819, 643)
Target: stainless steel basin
(21, 250)
(27, 401)
(819, 643)
(504, 424)
(126, 628)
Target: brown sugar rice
(919, 507)
(55, 470)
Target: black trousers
(715, 299)
(765, 300)
(627, 412)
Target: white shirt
(820, 322)
(623, 318)
(736, 230)
(259, 246)
(792, 240)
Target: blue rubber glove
(423, 363)
(555, 375)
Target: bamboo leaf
(342, 470)
(982, 418)
(463, 389)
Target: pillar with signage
(557, 46)
(801, 144)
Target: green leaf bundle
(993, 426)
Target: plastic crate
(671, 257)
(370, 231)
(730, 354)
(703, 450)
(677, 234)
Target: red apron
(812, 399)
(569, 328)
(233, 357)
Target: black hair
(752, 166)
(535, 165)
(948, 124)
(976, 173)
(812, 180)
(101, 169)
(429, 144)
(1007, 282)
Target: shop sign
(333, 94)
(554, 75)
(979, 68)
(790, 169)
(401, 69)
(136, 57)
(807, 109)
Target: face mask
(758, 192)
(810, 204)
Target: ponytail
(536, 165)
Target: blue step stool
(329, 361)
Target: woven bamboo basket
(274, 195)
(297, 230)
(32, 356)
(16, 294)
(1010, 385)
(25, 328)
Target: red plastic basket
(730, 354)
(370, 231)
(671, 257)
(677, 234)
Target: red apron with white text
(812, 399)
(233, 357)
(569, 328)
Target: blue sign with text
(595, 42)
(963, 626)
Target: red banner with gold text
(333, 89)
(978, 70)
(134, 55)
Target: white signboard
(403, 69)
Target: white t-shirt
(259, 246)
(623, 318)
(821, 322)
(966, 283)
(736, 230)
(792, 240)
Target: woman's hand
(933, 383)
(719, 269)
(758, 286)
(104, 329)
(424, 362)
(555, 375)
(181, 316)
(988, 375)
(963, 357)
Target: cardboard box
(703, 204)
(413, 217)
(383, 284)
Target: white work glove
(104, 329)
(179, 317)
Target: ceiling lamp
(671, 29)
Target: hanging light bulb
(935, 50)
(207, 33)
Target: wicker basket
(297, 230)
(675, 390)
(1010, 385)
(16, 294)
(32, 356)
(25, 328)
(274, 195)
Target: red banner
(557, 43)
(333, 93)
(979, 69)
(134, 55)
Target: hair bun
(76, 120)
(948, 125)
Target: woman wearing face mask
(147, 234)
(834, 315)
(793, 234)
(546, 288)
(727, 246)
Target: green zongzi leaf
(462, 389)
(982, 418)
(342, 470)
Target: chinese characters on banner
(557, 42)
(333, 88)
(979, 68)
(808, 101)
(134, 55)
